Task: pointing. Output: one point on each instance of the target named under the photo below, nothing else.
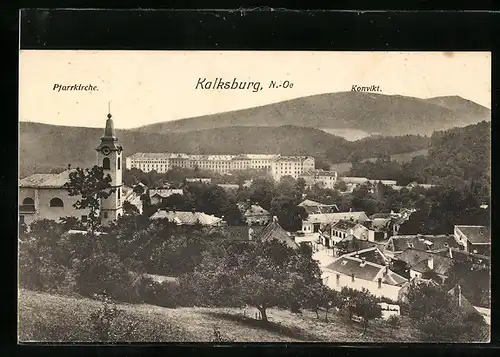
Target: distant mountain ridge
(369, 112)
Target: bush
(161, 294)
(105, 273)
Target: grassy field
(52, 318)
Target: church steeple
(109, 131)
(109, 139)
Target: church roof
(46, 180)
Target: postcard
(254, 196)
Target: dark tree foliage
(264, 274)
(91, 185)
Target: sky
(146, 87)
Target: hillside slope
(53, 318)
(370, 112)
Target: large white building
(277, 165)
(322, 178)
(43, 196)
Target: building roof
(349, 265)
(372, 255)
(476, 234)
(187, 218)
(318, 173)
(336, 216)
(351, 244)
(311, 203)
(417, 260)
(344, 225)
(46, 180)
(274, 231)
(254, 210)
(165, 192)
(421, 242)
(460, 301)
(465, 257)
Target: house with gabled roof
(254, 214)
(273, 231)
(313, 207)
(367, 269)
(431, 243)
(420, 263)
(473, 239)
(314, 222)
(184, 218)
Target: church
(42, 196)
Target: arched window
(119, 193)
(28, 201)
(56, 202)
(119, 163)
(28, 205)
(106, 165)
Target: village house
(415, 263)
(367, 269)
(432, 243)
(133, 198)
(313, 207)
(188, 218)
(254, 214)
(157, 196)
(199, 180)
(331, 234)
(314, 222)
(473, 239)
(321, 178)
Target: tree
(92, 185)
(260, 274)
(394, 322)
(365, 305)
(129, 208)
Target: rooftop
(344, 225)
(46, 180)
(187, 218)
(476, 234)
(274, 231)
(418, 260)
(336, 216)
(421, 242)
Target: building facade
(278, 165)
(322, 178)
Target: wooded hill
(50, 147)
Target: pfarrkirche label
(74, 87)
(219, 83)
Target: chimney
(386, 270)
(430, 263)
(275, 219)
(69, 166)
(379, 283)
(352, 277)
(363, 262)
(338, 279)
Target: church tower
(109, 157)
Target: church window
(84, 218)
(119, 193)
(105, 214)
(28, 204)
(106, 165)
(56, 202)
(119, 163)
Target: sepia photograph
(254, 196)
